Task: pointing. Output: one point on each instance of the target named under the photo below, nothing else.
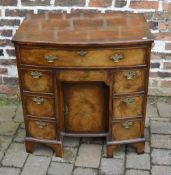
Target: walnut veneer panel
(128, 106)
(85, 107)
(83, 29)
(86, 57)
(41, 129)
(82, 76)
(39, 106)
(37, 80)
(120, 130)
(129, 81)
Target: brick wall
(12, 13)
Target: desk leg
(140, 147)
(110, 149)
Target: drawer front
(37, 81)
(80, 58)
(129, 81)
(39, 106)
(41, 129)
(126, 107)
(126, 130)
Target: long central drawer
(97, 57)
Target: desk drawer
(37, 80)
(41, 129)
(127, 107)
(127, 129)
(129, 81)
(38, 106)
(99, 57)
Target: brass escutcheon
(82, 52)
(50, 58)
(129, 75)
(41, 124)
(117, 57)
(129, 100)
(38, 100)
(36, 74)
(127, 124)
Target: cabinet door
(85, 107)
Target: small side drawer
(128, 81)
(127, 129)
(39, 106)
(41, 129)
(37, 80)
(127, 106)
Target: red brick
(1, 52)
(153, 25)
(120, 3)
(168, 46)
(160, 74)
(8, 90)
(1, 80)
(5, 42)
(166, 83)
(9, 22)
(8, 2)
(155, 65)
(144, 4)
(3, 70)
(155, 56)
(7, 62)
(69, 3)
(10, 52)
(12, 81)
(6, 32)
(166, 6)
(59, 11)
(18, 12)
(35, 2)
(165, 25)
(163, 36)
(167, 65)
(162, 26)
(100, 3)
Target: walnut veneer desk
(84, 75)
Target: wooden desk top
(84, 29)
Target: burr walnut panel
(85, 107)
(126, 130)
(83, 76)
(127, 107)
(37, 80)
(83, 57)
(41, 129)
(129, 81)
(39, 106)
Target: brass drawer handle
(38, 100)
(36, 74)
(82, 52)
(129, 100)
(127, 124)
(129, 75)
(117, 57)
(50, 58)
(41, 124)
